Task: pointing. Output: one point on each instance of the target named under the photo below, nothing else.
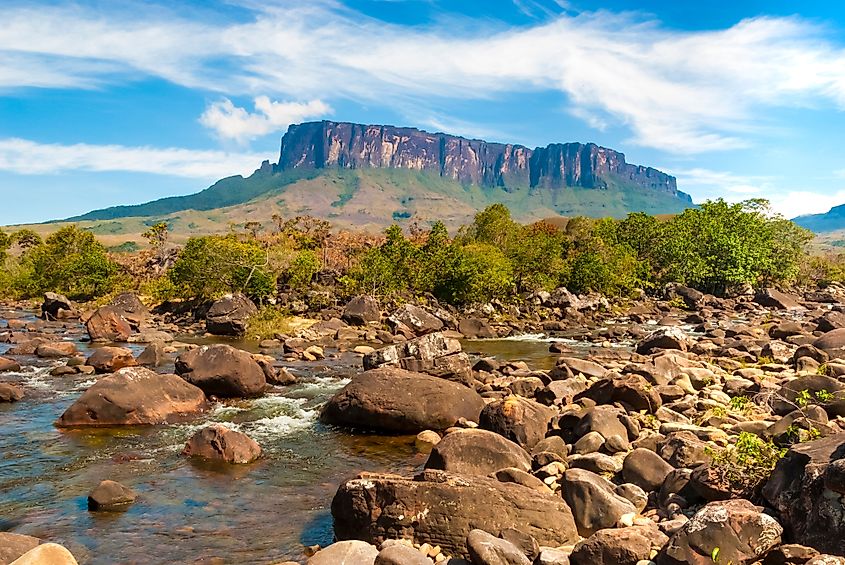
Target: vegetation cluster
(717, 248)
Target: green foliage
(70, 261)
(125, 247)
(824, 396)
(211, 266)
(803, 398)
(26, 239)
(302, 269)
(476, 273)
(160, 289)
(748, 463)
(720, 246)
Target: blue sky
(121, 101)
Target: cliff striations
(322, 145)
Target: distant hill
(369, 176)
(832, 220)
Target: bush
(302, 269)
(268, 322)
(211, 266)
(475, 273)
(70, 262)
(747, 464)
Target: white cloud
(679, 91)
(27, 157)
(233, 122)
(800, 202)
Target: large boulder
(622, 546)
(476, 452)
(110, 495)
(56, 306)
(415, 319)
(133, 309)
(221, 370)
(664, 338)
(594, 501)
(646, 469)
(216, 442)
(807, 489)
(134, 395)
(442, 509)
(56, 349)
(519, 419)
(434, 354)
(731, 531)
(10, 392)
(832, 343)
(632, 391)
(487, 549)
(476, 328)
(111, 359)
(350, 552)
(395, 400)
(7, 365)
(361, 310)
(773, 298)
(46, 554)
(108, 323)
(13, 546)
(229, 315)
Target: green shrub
(268, 322)
(475, 273)
(747, 464)
(302, 269)
(71, 262)
(211, 266)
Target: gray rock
(486, 549)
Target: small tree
(157, 236)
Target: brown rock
(521, 420)
(133, 396)
(442, 509)
(108, 324)
(10, 392)
(395, 400)
(222, 370)
(219, 443)
(230, 315)
(7, 365)
(56, 349)
(110, 495)
(476, 452)
(110, 359)
(13, 546)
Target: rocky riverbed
(566, 430)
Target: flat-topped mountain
(368, 176)
(321, 145)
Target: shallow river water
(189, 512)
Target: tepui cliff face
(319, 145)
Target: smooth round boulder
(10, 392)
(519, 419)
(361, 310)
(56, 349)
(108, 324)
(218, 443)
(46, 554)
(612, 547)
(352, 552)
(594, 502)
(394, 400)
(110, 495)
(222, 370)
(646, 469)
(230, 315)
(135, 396)
(477, 452)
(7, 365)
(110, 359)
(400, 554)
(487, 549)
(13, 546)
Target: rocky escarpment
(318, 145)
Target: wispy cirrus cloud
(678, 91)
(27, 157)
(233, 122)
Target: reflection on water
(188, 511)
